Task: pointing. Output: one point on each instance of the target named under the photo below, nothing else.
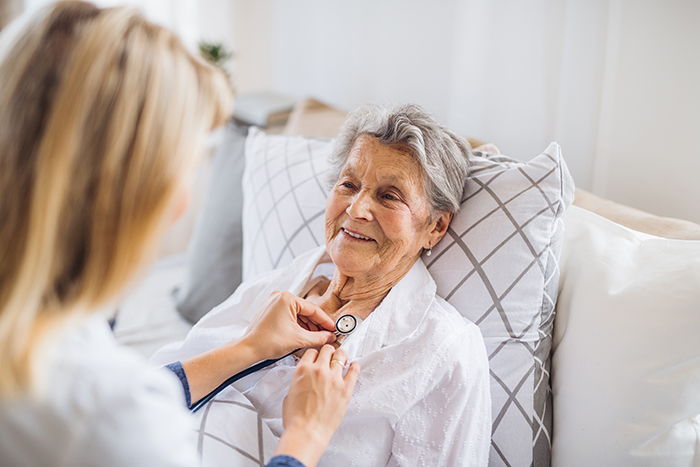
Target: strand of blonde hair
(87, 191)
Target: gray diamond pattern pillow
(233, 434)
(498, 264)
(284, 199)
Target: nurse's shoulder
(100, 404)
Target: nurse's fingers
(315, 314)
(316, 338)
(309, 356)
(324, 356)
(338, 360)
(350, 378)
(307, 324)
(301, 321)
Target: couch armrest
(636, 219)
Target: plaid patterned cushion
(498, 265)
(230, 432)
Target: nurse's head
(397, 181)
(102, 117)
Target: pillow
(498, 265)
(284, 198)
(626, 361)
(213, 269)
(234, 434)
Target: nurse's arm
(275, 333)
(208, 370)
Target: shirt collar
(396, 317)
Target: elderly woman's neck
(358, 295)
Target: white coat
(102, 405)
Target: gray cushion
(213, 268)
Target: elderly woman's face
(378, 213)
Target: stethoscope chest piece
(345, 325)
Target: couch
(629, 282)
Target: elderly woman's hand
(286, 323)
(316, 403)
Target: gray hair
(442, 155)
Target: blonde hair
(102, 113)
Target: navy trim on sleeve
(176, 367)
(284, 461)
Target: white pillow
(626, 365)
(498, 265)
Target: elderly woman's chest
(387, 388)
(391, 381)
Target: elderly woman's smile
(378, 213)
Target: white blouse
(102, 405)
(422, 397)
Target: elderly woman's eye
(347, 185)
(390, 197)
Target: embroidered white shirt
(422, 397)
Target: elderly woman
(423, 395)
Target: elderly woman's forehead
(371, 149)
(367, 142)
(390, 166)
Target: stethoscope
(344, 326)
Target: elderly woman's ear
(437, 228)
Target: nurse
(102, 116)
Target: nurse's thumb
(318, 338)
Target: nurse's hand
(286, 323)
(316, 403)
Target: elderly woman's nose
(360, 207)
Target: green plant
(215, 53)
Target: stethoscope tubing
(259, 366)
(241, 374)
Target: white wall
(614, 81)
(648, 152)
